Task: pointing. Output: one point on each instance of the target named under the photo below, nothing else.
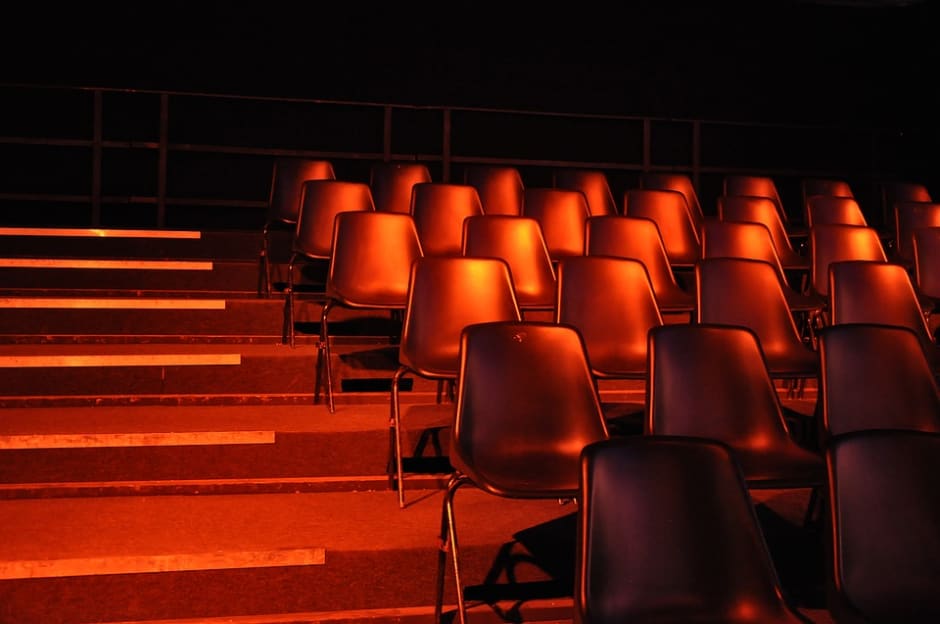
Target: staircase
(165, 457)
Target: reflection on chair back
(671, 214)
(833, 209)
(836, 242)
(763, 210)
(439, 209)
(501, 188)
(392, 182)
(321, 201)
(594, 185)
(883, 517)
(677, 182)
(287, 180)
(756, 186)
(875, 377)
(561, 213)
(667, 533)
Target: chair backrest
(756, 186)
(321, 201)
(875, 376)
(740, 239)
(287, 178)
(501, 189)
(926, 251)
(392, 182)
(593, 183)
(638, 239)
(517, 240)
(677, 182)
(671, 214)
(762, 210)
(836, 242)
(611, 302)
(372, 254)
(883, 514)
(711, 381)
(447, 293)
(748, 293)
(439, 209)
(910, 216)
(653, 547)
(527, 405)
(865, 291)
(561, 213)
(825, 186)
(833, 209)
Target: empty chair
(833, 209)
(593, 183)
(445, 294)
(875, 376)
(832, 187)
(526, 406)
(835, 242)
(439, 209)
(884, 523)
(518, 240)
(909, 217)
(677, 182)
(667, 532)
(391, 184)
(370, 268)
(561, 213)
(758, 186)
(501, 189)
(926, 251)
(611, 302)
(638, 239)
(711, 381)
(676, 227)
(747, 293)
(284, 200)
(901, 191)
(764, 210)
(321, 201)
(863, 291)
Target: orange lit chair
(391, 184)
(835, 242)
(909, 217)
(833, 209)
(669, 210)
(593, 183)
(926, 251)
(764, 210)
(439, 209)
(561, 213)
(287, 178)
(832, 187)
(896, 191)
(677, 182)
(501, 188)
(761, 186)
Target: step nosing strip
(88, 360)
(101, 303)
(134, 439)
(73, 263)
(99, 233)
(179, 562)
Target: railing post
(387, 135)
(445, 147)
(696, 153)
(96, 153)
(162, 159)
(647, 144)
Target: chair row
(663, 514)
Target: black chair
(667, 532)
(526, 406)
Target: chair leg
(813, 508)
(449, 541)
(289, 305)
(264, 268)
(396, 427)
(324, 348)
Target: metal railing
(120, 157)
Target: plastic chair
(284, 200)
(611, 302)
(517, 240)
(501, 188)
(764, 210)
(833, 209)
(668, 209)
(593, 183)
(370, 268)
(863, 291)
(909, 217)
(392, 182)
(638, 239)
(321, 201)
(439, 209)
(667, 532)
(836, 242)
(561, 213)
(711, 381)
(677, 182)
(901, 191)
(825, 186)
(883, 537)
(926, 251)
(526, 406)
(758, 186)
(875, 376)
(747, 293)
(445, 294)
